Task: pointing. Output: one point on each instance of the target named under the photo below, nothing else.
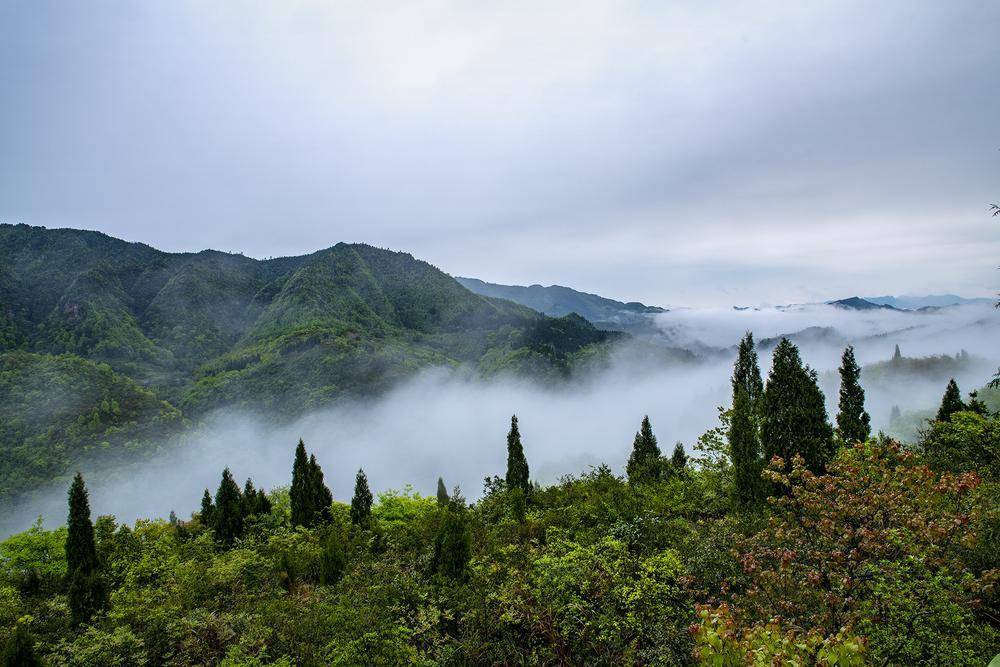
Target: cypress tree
(453, 544)
(320, 498)
(249, 498)
(794, 419)
(644, 462)
(263, 502)
(86, 593)
(744, 426)
(361, 503)
(951, 402)
(81, 552)
(853, 422)
(228, 514)
(517, 464)
(207, 510)
(678, 460)
(19, 649)
(299, 492)
(442, 493)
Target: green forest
(784, 536)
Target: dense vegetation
(111, 345)
(780, 541)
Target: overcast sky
(674, 153)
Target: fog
(443, 423)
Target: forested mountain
(557, 301)
(197, 331)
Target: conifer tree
(644, 462)
(517, 464)
(744, 427)
(19, 649)
(897, 356)
(81, 552)
(453, 544)
(321, 498)
(86, 593)
(678, 460)
(207, 509)
(951, 402)
(794, 419)
(361, 503)
(333, 560)
(228, 514)
(853, 422)
(299, 493)
(263, 502)
(249, 498)
(442, 492)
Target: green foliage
(951, 402)
(361, 503)
(442, 492)
(227, 515)
(794, 412)
(744, 427)
(517, 463)
(453, 546)
(853, 422)
(644, 464)
(966, 441)
(19, 649)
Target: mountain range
(103, 341)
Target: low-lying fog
(437, 424)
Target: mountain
(920, 302)
(108, 322)
(557, 301)
(857, 303)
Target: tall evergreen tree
(517, 464)
(319, 494)
(794, 419)
(453, 544)
(361, 503)
(442, 492)
(299, 496)
(228, 514)
(853, 422)
(644, 464)
(333, 559)
(81, 552)
(207, 509)
(744, 426)
(678, 460)
(951, 402)
(86, 592)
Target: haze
(681, 153)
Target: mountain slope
(557, 301)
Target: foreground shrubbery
(853, 553)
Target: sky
(700, 153)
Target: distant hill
(557, 301)
(857, 303)
(919, 302)
(178, 334)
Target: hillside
(199, 331)
(557, 301)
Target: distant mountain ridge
(857, 303)
(929, 301)
(558, 301)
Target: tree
(320, 496)
(897, 356)
(678, 460)
(644, 464)
(299, 493)
(228, 514)
(442, 492)
(207, 509)
(81, 553)
(453, 544)
(333, 560)
(744, 426)
(853, 423)
(794, 419)
(19, 650)
(951, 402)
(86, 591)
(517, 464)
(361, 503)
